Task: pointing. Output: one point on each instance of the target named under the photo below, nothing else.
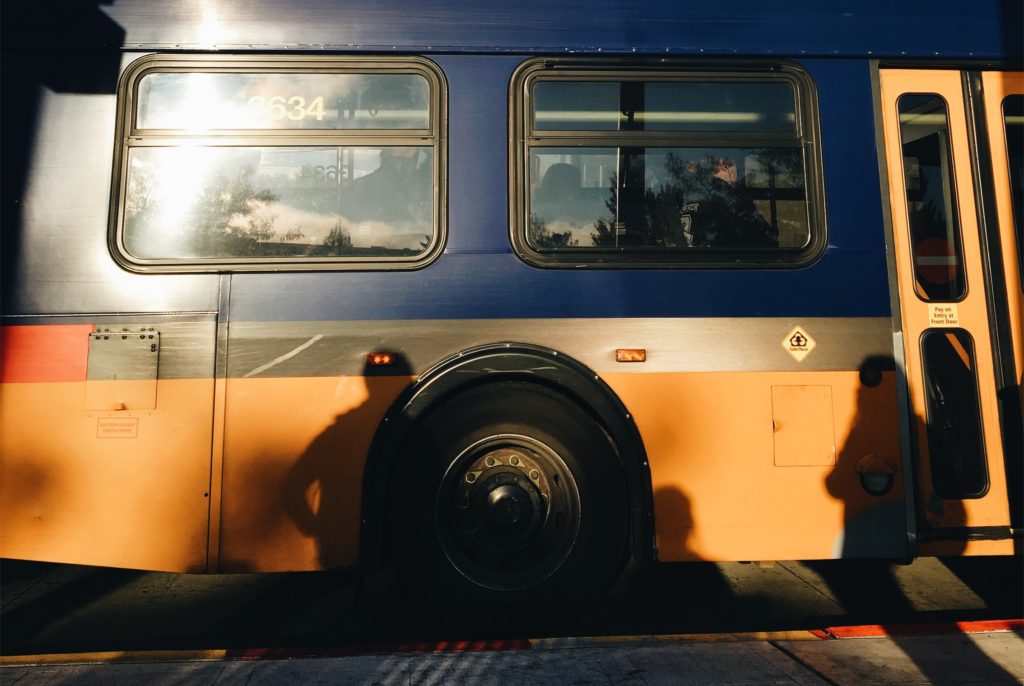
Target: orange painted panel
(119, 489)
(802, 422)
(294, 453)
(54, 352)
(997, 86)
(718, 494)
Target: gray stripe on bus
(672, 345)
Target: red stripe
(883, 630)
(34, 354)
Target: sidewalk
(989, 653)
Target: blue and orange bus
(510, 295)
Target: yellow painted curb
(119, 656)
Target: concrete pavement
(990, 653)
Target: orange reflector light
(630, 355)
(380, 359)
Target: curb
(455, 647)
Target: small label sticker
(798, 343)
(117, 427)
(943, 315)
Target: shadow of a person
(681, 592)
(317, 489)
(865, 582)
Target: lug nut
(514, 460)
(534, 474)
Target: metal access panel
(803, 426)
(123, 368)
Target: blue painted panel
(478, 277)
(922, 28)
(844, 283)
(849, 155)
(478, 151)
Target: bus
(510, 298)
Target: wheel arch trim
(494, 363)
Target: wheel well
(497, 365)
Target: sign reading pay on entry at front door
(944, 314)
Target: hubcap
(507, 512)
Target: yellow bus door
(957, 262)
(1002, 96)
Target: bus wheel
(516, 494)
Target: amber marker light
(380, 359)
(630, 355)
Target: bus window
(931, 198)
(690, 198)
(664, 106)
(1013, 118)
(262, 202)
(255, 164)
(202, 100)
(672, 169)
(953, 414)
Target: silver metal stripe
(673, 345)
(186, 348)
(287, 356)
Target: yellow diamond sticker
(798, 343)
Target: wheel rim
(507, 512)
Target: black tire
(512, 493)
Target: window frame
(950, 193)
(128, 136)
(523, 138)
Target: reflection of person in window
(397, 191)
(724, 217)
(560, 197)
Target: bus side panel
(126, 488)
(104, 486)
(782, 456)
(729, 484)
(294, 454)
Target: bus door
(956, 252)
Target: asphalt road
(59, 608)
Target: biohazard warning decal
(798, 343)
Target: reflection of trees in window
(138, 206)
(545, 239)
(231, 217)
(718, 213)
(337, 243)
(653, 221)
(775, 182)
(777, 171)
